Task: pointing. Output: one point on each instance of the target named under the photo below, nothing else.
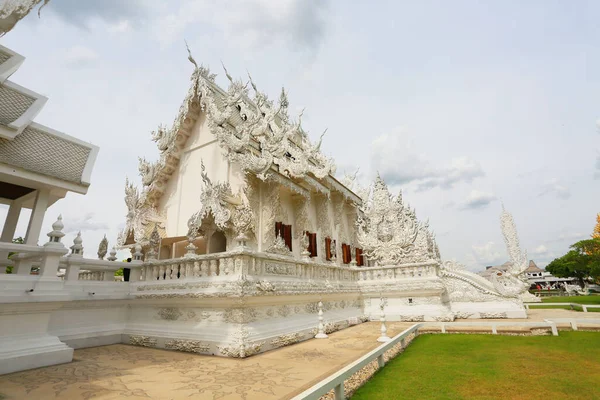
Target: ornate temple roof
(256, 134)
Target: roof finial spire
(190, 57)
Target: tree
(596, 233)
(581, 262)
(18, 240)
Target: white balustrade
(242, 262)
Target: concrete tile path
(130, 372)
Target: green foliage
(18, 240)
(119, 272)
(581, 262)
(457, 367)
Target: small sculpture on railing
(77, 248)
(102, 248)
(113, 255)
(57, 233)
(137, 255)
(332, 250)
(304, 246)
(384, 337)
(353, 255)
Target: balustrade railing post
(109, 276)
(339, 392)
(574, 325)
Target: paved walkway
(123, 371)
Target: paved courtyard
(123, 371)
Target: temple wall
(181, 198)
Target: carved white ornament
(258, 134)
(212, 202)
(388, 230)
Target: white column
(37, 217)
(10, 226)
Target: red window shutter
(328, 249)
(287, 236)
(359, 257)
(313, 242)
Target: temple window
(359, 258)
(346, 253)
(312, 243)
(285, 232)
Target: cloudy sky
(462, 105)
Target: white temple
(240, 236)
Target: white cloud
(483, 255)
(295, 23)
(83, 223)
(477, 199)
(394, 157)
(541, 249)
(80, 56)
(82, 13)
(122, 26)
(554, 187)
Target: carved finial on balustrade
(77, 248)
(113, 255)
(321, 328)
(102, 248)
(382, 304)
(191, 247)
(137, 254)
(57, 233)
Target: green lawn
(573, 299)
(570, 299)
(491, 367)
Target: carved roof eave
(346, 192)
(287, 182)
(315, 184)
(169, 160)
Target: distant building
(535, 275)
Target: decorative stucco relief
(286, 340)
(191, 346)
(145, 341)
